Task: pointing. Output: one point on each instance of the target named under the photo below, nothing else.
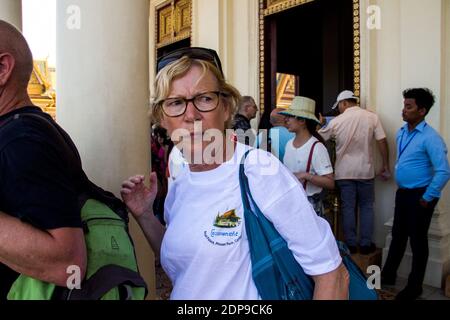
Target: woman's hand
(333, 285)
(139, 199)
(303, 176)
(137, 196)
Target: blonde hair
(178, 69)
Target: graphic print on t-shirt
(226, 229)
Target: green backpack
(112, 272)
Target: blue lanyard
(402, 149)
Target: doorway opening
(314, 43)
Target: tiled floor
(429, 293)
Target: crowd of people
(194, 221)
(297, 139)
(421, 173)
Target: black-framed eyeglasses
(193, 53)
(203, 102)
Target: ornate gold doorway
(318, 41)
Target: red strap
(308, 166)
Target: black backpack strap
(105, 279)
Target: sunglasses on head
(193, 53)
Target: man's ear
(7, 63)
(423, 112)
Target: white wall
(384, 91)
(445, 97)
(231, 28)
(404, 53)
(11, 11)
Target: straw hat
(302, 107)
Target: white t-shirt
(205, 249)
(296, 160)
(176, 164)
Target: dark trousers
(412, 221)
(361, 193)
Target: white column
(422, 61)
(11, 11)
(231, 27)
(103, 93)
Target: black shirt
(243, 129)
(39, 181)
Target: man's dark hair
(424, 97)
(311, 125)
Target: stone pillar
(103, 94)
(231, 27)
(424, 66)
(11, 11)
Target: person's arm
(153, 231)
(43, 255)
(139, 200)
(325, 181)
(332, 285)
(321, 164)
(326, 132)
(38, 188)
(385, 172)
(437, 152)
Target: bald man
(247, 111)
(40, 223)
(279, 135)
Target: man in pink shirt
(354, 130)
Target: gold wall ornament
(165, 25)
(275, 6)
(174, 21)
(182, 17)
(357, 48)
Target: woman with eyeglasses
(204, 247)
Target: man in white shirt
(354, 130)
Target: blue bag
(276, 273)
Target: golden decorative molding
(173, 22)
(180, 37)
(182, 15)
(165, 24)
(356, 48)
(275, 6)
(268, 7)
(261, 55)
